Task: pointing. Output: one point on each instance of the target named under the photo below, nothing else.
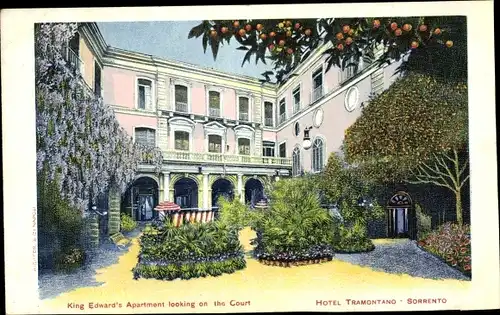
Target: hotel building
(221, 133)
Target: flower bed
(450, 243)
(189, 251)
(295, 230)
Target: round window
(351, 98)
(318, 117)
(296, 129)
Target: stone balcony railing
(218, 158)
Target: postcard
(261, 158)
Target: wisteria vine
(80, 143)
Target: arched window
(318, 155)
(296, 166)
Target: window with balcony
(214, 144)
(317, 78)
(145, 136)
(296, 166)
(268, 114)
(244, 146)
(282, 111)
(268, 148)
(181, 98)
(283, 150)
(318, 155)
(181, 140)
(214, 106)
(243, 106)
(97, 79)
(72, 54)
(144, 97)
(351, 70)
(296, 99)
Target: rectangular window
(283, 150)
(214, 144)
(145, 136)
(244, 146)
(243, 109)
(97, 79)
(268, 149)
(214, 103)
(144, 97)
(282, 110)
(317, 85)
(181, 140)
(296, 99)
(268, 114)
(181, 98)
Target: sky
(169, 40)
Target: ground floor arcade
(195, 188)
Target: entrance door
(145, 204)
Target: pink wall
(120, 86)
(198, 99)
(269, 136)
(231, 141)
(335, 120)
(128, 122)
(229, 104)
(198, 139)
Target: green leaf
(204, 43)
(196, 31)
(247, 57)
(215, 47)
(242, 48)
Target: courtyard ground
(397, 270)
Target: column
(240, 188)
(166, 186)
(205, 191)
(113, 211)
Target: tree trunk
(458, 205)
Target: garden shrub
(295, 227)
(342, 186)
(189, 251)
(127, 223)
(234, 213)
(450, 242)
(60, 227)
(424, 222)
(70, 260)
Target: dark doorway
(140, 199)
(254, 191)
(186, 193)
(401, 219)
(222, 187)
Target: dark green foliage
(191, 250)
(60, 228)
(127, 223)
(295, 227)
(424, 223)
(342, 186)
(189, 270)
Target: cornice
(121, 54)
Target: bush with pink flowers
(450, 242)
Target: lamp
(306, 143)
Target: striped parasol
(167, 206)
(262, 204)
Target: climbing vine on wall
(79, 141)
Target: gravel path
(403, 256)
(51, 285)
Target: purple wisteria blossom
(79, 140)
